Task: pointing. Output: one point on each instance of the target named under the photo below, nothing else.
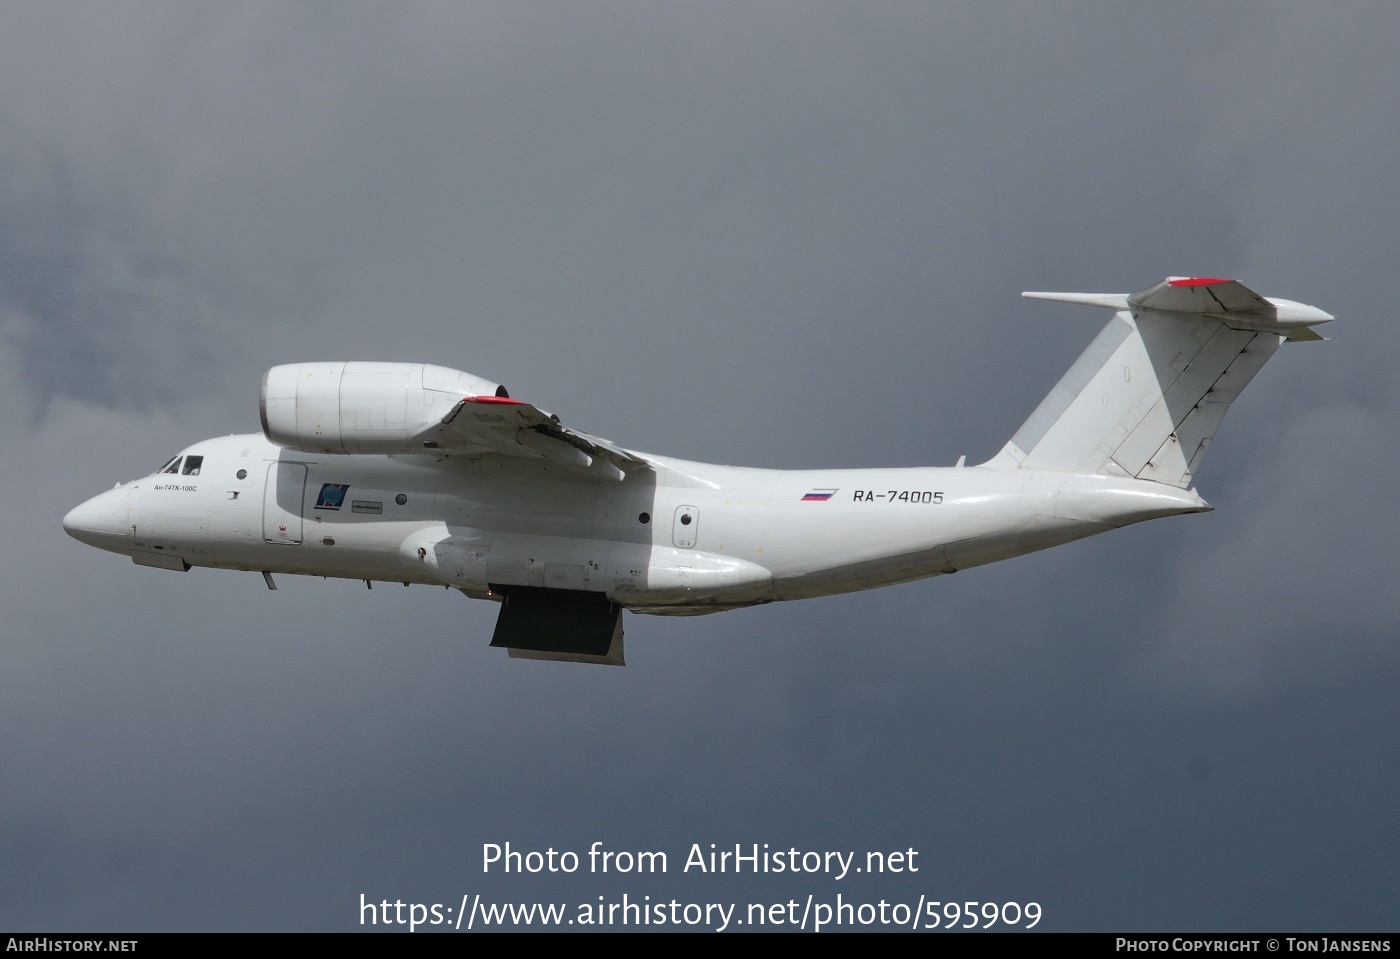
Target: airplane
(415, 473)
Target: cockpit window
(171, 467)
(192, 465)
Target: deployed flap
(560, 624)
(500, 424)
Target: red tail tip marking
(1198, 281)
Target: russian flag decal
(819, 496)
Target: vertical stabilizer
(1147, 396)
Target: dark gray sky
(773, 234)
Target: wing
(501, 424)
(396, 408)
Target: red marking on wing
(505, 400)
(1198, 281)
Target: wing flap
(500, 424)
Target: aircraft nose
(103, 521)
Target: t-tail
(1146, 397)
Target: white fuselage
(680, 537)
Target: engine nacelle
(361, 407)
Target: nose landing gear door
(282, 501)
(686, 528)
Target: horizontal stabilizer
(1112, 301)
(1229, 300)
(1234, 303)
(1187, 294)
